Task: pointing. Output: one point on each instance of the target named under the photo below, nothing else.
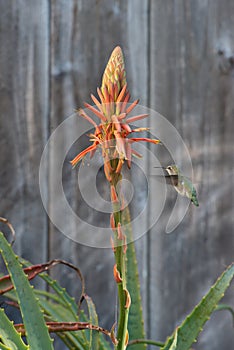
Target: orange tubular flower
(113, 131)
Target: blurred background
(179, 58)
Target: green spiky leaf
(192, 325)
(93, 319)
(8, 335)
(135, 323)
(174, 343)
(36, 331)
(64, 308)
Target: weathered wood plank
(24, 64)
(188, 87)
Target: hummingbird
(182, 184)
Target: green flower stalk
(113, 134)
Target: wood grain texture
(24, 64)
(178, 61)
(189, 87)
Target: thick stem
(120, 259)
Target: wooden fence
(179, 61)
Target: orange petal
(85, 116)
(130, 108)
(100, 95)
(97, 103)
(122, 93)
(95, 111)
(121, 116)
(76, 160)
(126, 127)
(124, 104)
(137, 139)
(137, 117)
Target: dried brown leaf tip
(116, 274)
(112, 129)
(127, 299)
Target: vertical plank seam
(148, 101)
(49, 6)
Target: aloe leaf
(135, 322)
(174, 343)
(192, 325)
(145, 341)
(93, 319)
(4, 347)
(36, 330)
(8, 335)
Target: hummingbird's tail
(194, 198)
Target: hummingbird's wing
(172, 180)
(169, 179)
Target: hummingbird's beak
(160, 167)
